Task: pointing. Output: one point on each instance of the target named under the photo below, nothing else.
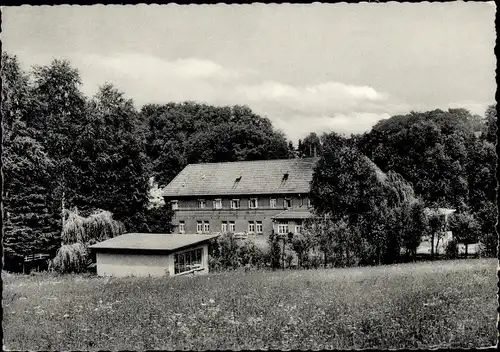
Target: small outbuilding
(147, 254)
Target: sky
(307, 67)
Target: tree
(428, 149)
(30, 225)
(56, 111)
(491, 124)
(301, 244)
(110, 158)
(436, 231)
(309, 146)
(487, 218)
(465, 228)
(178, 134)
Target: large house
(251, 197)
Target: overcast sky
(316, 67)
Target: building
(146, 254)
(240, 197)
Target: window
(175, 204)
(235, 204)
(224, 227)
(206, 226)
(309, 203)
(232, 228)
(287, 202)
(201, 203)
(182, 227)
(187, 260)
(298, 229)
(251, 226)
(218, 204)
(258, 227)
(199, 226)
(283, 227)
(272, 203)
(253, 203)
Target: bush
(71, 258)
(451, 250)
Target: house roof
(294, 213)
(152, 241)
(243, 177)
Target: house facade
(241, 197)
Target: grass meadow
(421, 305)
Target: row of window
(226, 226)
(253, 203)
(230, 226)
(283, 228)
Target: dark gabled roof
(151, 241)
(243, 178)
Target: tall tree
(309, 146)
(110, 157)
(28, 170)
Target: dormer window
(235, 204)
(174, 204)
(201, 203)
(253, 203)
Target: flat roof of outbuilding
(152, 241)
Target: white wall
(141, 265)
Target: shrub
(451, 249)
(71, 258)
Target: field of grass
(439, 304)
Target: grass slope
(439, 304)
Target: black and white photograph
(252, 176)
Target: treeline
(63, 150)
(384, 187)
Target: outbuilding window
(182, 227)
(224, 227)
(199, 226)
(232, 227)
(272, 202)
(187, 261)
(206, 226)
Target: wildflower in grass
(212, 301)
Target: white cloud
(297, 110)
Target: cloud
(324, 107)
(143, 65)
(297, 110)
